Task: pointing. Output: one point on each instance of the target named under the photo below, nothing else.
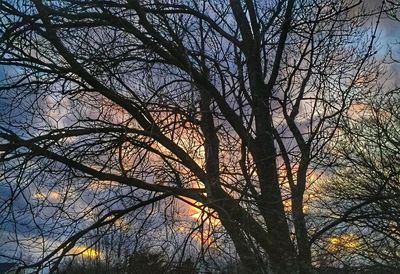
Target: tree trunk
(246, 255)
(303, 244)
(281, 252)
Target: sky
(389, 34)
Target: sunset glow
(85, 251)
(176, 136)
(346, 241)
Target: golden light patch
(85, 251)
(201, 213)
(39, 196)
(51, 195)
(196, 213)
(101, 185)
(122, 224)
(346, 241)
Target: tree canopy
(238, 108)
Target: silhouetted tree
(362, 195)
(226, 104)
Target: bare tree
(363, 193)
(360, 197)
(225, 103)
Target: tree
(225, 103)
(363, 193)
